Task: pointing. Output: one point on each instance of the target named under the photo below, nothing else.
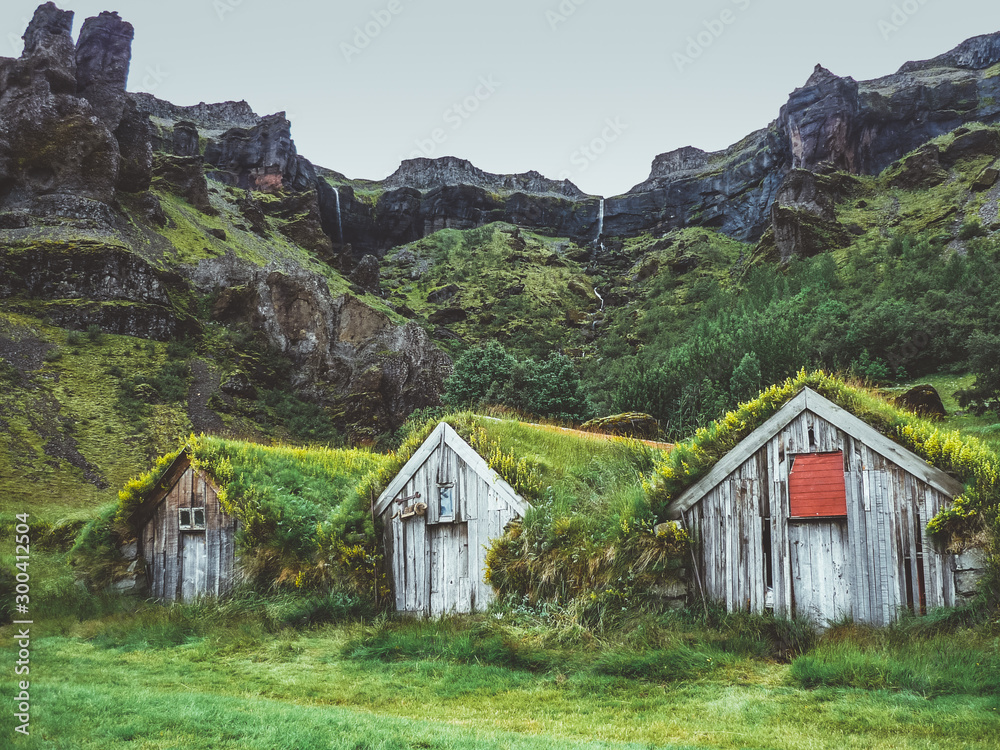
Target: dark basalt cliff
(128, 212)
(426, 195)
(87, 238)
(829, 124)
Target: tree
(489, 374)
(476, 372)
(984, 360)
(746, 381)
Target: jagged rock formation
(144, 205)
(829, 124)
(448, 171)
(344, 351)
(426, 195)
(86, 171)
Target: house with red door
(818, 515)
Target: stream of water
(340, 226)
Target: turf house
(185, 536)
(439, 516)
(817, 514)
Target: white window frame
(448, 487)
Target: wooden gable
(445, 435)
(810, 400)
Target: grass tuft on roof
(967, 458)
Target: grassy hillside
(84, 411)
(69, 441)
(497, 282)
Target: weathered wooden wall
(183, 565)
(866, 566)
(437, 567)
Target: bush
(490, 375)
(304, 422)
(94, 334)
(180, 348)
(971, 229)
(984, 361)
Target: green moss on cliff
(496, 282)
(67, 446)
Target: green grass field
(200, 677)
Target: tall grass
(550, 639)
(931, 659)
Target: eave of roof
(161, 489)
(810, 400)
(453, 440)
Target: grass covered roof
(596, 530)
(966, 458)
(299, 509)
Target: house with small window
(185, 537)
(816, 514)
(439, 515)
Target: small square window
(446, 497)
(192, 519)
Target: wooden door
(820, 567)
(449, 569)
(194, 566)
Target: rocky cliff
(829, 124)
(131, 216)
(150, 219)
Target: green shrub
(94, 334)
(180, 348)
(971, 229)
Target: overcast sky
(590, 90)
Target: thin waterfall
(593, 317)
(600, 221)
(340, 226)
